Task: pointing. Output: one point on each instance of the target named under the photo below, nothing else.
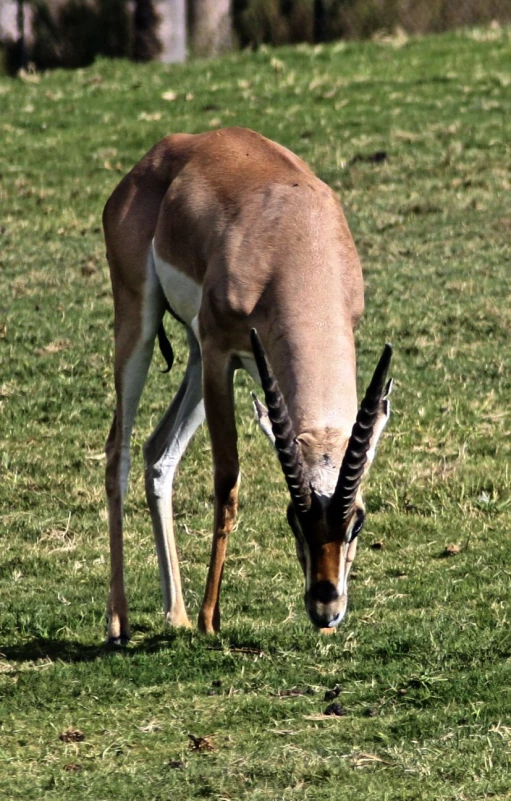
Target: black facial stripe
(293, 523)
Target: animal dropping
(337, 710)
(201, 743)
(237, 238)
(72, 736)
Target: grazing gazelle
(252, 254)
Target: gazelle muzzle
(324, 605)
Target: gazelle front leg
(219, 401)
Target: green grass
(424, 654)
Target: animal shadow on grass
(74, 651)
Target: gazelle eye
(358, 525)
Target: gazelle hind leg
(162, 453)
(134, 342)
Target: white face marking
(263, 418)
(380, 424)
(342, 582)
(181, 291)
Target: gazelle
(251, 252)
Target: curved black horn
(355, 457)
(288, 449)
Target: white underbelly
(182, 292)
(184, 296)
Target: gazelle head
(326, 512)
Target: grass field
(424, 654)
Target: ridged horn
(355, 457)
(287, 447)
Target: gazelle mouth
(321, 622)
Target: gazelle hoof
(177, 621)
(209, 624)
(117, 642)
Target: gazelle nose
(323, 592)
(325, 607)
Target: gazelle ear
(381, 422)
(263, 418)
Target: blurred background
(43, 34)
